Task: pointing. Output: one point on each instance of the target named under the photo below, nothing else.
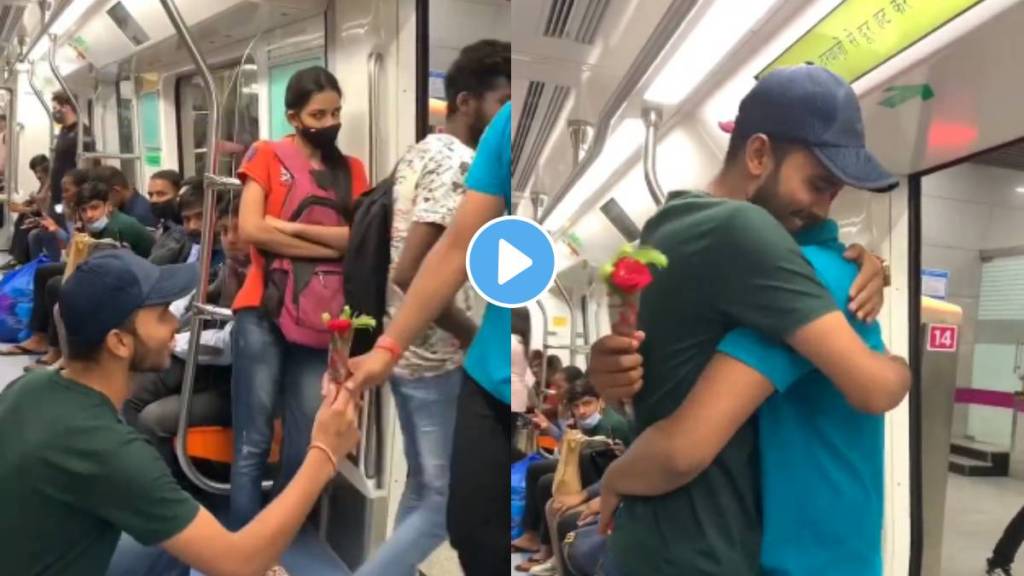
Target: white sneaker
(548, 568)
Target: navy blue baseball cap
(105, 290)
(810, 105)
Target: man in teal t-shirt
(479, 491)
(821, 460)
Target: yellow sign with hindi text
(860, 35)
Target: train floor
(977, 511)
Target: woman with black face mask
(295, 210)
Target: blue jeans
(266, 368)
(43, 241)
(426, 412)
(133, 559)
(608, 566)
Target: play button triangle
(511, 262)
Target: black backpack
(368, 260)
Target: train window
(149, 114)
(237, 88)
(126, 132)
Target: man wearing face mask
(163, 189)
(65, 147)
(172, 243)
(190, 207)
(101, 221)
(181, 219)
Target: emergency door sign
(942, 338)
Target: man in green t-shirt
(102, 221)
(73, 476)
(798, 140)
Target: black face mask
(58, 116)
(166, 211)
(321, 138)
(195, 236)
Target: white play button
(511, 262)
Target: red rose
(630, 275)
(339, 326)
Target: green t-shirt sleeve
(761, 280)
(139, 238)
(618, 426)
(128, 231)
(111, 471)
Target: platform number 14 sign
(942, 338)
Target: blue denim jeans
(265, 369)
(43, 241)
(133, 559)
(426, 412)
(608, 566)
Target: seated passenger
(590, 416)
(163, 189)
(83, 491)
(177, 243)
(28, 212)
(124, 197)
(190, 205)
(554, 407)
(101, 220)
(97, 216)
(57, 226)
(574, 513)
(154, 404)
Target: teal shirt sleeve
(774, 359)
(491, 171)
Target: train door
(972, 332)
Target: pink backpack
(299, 291)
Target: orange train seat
(216, 443)
(547, 443)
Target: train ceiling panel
(116, 30)
(1010, 157)
(576, 21)
(540, 111)
(581, 45)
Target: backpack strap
(295, 162)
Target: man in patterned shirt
(428, 185)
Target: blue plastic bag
(519, 492)
(16, 301)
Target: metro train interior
(617, 103)
(193, 95)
